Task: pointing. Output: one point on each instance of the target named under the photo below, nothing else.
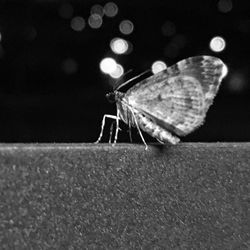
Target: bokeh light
(179, 40)
(119, 71)
(168, 29)
(69, 66)
(225, 5)
(110, 9)
(95, 21)
(158, 66)
(126, 27)
(217, 44)
(0, 36)
(119, 45)
(1, 51)
(78, 23)
(244, 26)
(171, 50)
(237, 82)
(97, 9)
(108, 65)
(66, 10)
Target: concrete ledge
(86, 196)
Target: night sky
(51, 85)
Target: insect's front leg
(117, 127)
(103, 124)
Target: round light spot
(126, 27)
(225, 6)
(69, 66)
(95, 21)
(1, 51)
(119, 71)
(217, 44)
(108, 65)
(0, 37)
(171, 50)
(179, 40)
(110, 9)
(158, 66)
(97, 9)
(78, 23)
(66, 10)
(119, 45)
(130, 48)
(237, 82)
(168, 29)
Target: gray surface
(85, 196)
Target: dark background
(51, 86)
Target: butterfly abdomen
(146, 124)
(150, 127)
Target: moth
(171, 103)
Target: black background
(42, 100)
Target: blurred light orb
(130, 47)
(108, 65)
(95, 21)
(119, 71)
(158, 66)
(66, 10)
(78, 23)
(168, 29)
(69, 66)
(119, 45)
(31, 33)
(244, 26)
(179, 40)
(0, 36)
(237, 82)
(1, 51)
(217, 44)
(225, 6)
(97, 9)
(126, 27)
(110, 9)
(171, 50)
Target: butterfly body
(173, 102)
(133, 117)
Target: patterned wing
(178, 98)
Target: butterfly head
(111, 97)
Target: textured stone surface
(86, 196)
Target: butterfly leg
(137, 126)
(130, 132)
(111, 132)
(117, 127)
(103, 123)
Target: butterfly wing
(178, 98)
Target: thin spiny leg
(103, 123)
(117, 127)
(160, 141)
(129, 131)
(111, 132)
(146, 146)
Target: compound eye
(111, 97)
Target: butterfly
(171, 103)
